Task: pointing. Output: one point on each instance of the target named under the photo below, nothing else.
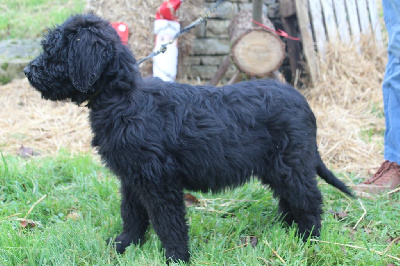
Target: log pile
(255, 51)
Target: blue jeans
(391, 82)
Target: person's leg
(391, 82)
(388, 175)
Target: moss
(4, 80)
(4, 66)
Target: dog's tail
(329, 177)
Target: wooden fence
(323, 21)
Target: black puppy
(160, 138)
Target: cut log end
(258, 52)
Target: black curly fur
(160, 138)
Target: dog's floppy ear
(88, 55)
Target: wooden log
(255, 51)
(257, 11)
(235, 78)
(226, 63)
(307, 39)
(287, 8)
(289, 22)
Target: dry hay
(139, 15)
(347, 103)
(45, 126)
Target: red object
(168, 9)
(122, 30)
(279, 31)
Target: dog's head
(75, 54)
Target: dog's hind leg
(166, 209)
(284, 211)
(134, 217)
(303, 205)
(300, 201)
(306, 208)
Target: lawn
(29, 18)
(60, 210)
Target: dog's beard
(44, 89)
(55, 91)
(49, 91)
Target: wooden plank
(257, 11)
(376, 26)
(330, 21)
(363, 17)
(293, 47)
(318, 25)
(341, 17)
(226, 63)
(353, 20)
(307, 38)
(287, 8)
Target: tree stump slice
(255, 51)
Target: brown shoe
(386, 178)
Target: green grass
(79, 185)
(29, 18)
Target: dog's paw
(286, 219)
(177, 256)
(120, 243)
(307, 234)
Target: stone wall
(15, 55)
(211, 44)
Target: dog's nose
(27, 70)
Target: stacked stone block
(212, 43)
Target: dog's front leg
(166, 209)
(134, 217)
